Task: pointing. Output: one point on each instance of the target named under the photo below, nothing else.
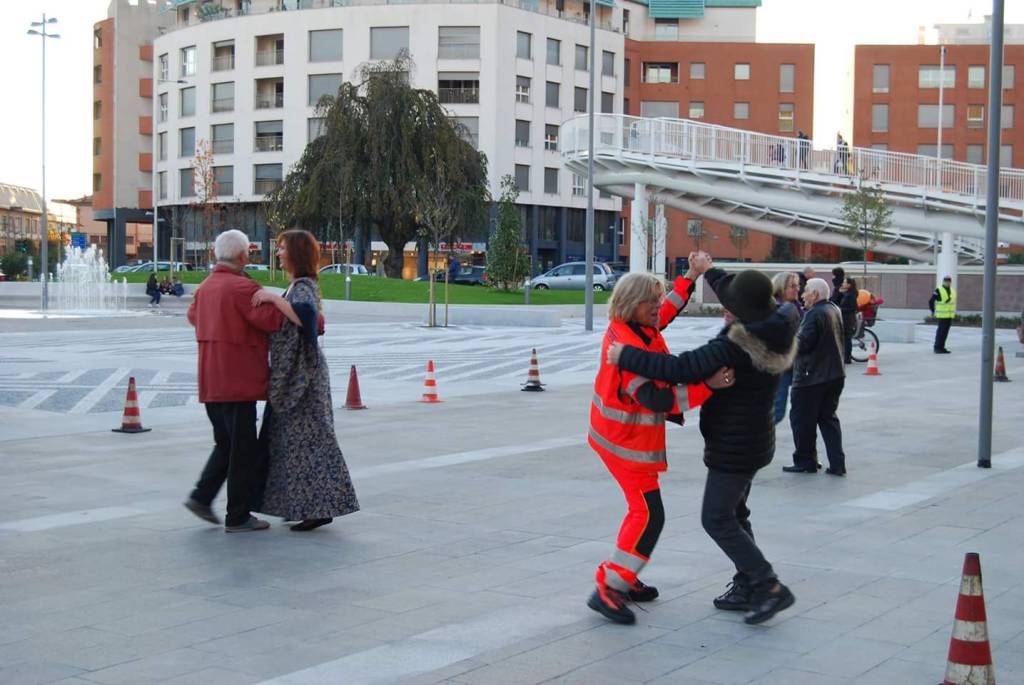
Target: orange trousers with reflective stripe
(640, 528)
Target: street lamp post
(156, 171)
(588, 298)
(43, 270)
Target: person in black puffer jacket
(759, 343)
(848, 306)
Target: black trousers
(238, 456)
(813, 408)
(941, 333)
(726, 518)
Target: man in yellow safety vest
(943, 306)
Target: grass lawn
(376, 289)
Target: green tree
(507, 263)
(867, 216)
(14, 265)
(740, 238)
(782, 251)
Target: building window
(879, 118)
(522, 133)
(222, 97)
(323, 84)
(666, 29)
(164, 68)
(161, 185)
(607, 103)
(314, 128)
(649, 108)
(524, 45)
(97, 185)
(224, 180)
(697, 71)
(929, 151)
(458, 42)
(976, 76)
(97, 74)
(325, 45)
(1006, 156)
(523, 89)
(625, 73)
(97, 109)
(186, 142)
(741, 110)
(551, 137)
(270, 50)
(551, 94)
(741, 71)
(269, 93)
(161, 146)
(928, 116)
(582, 58)
(787, 78)
(161, 116)
(975, 116)
(469, 129)
(97, 39)
(186, 183)
(187, 102)
(1006, 120)
(661, 72)
(523, 177)
(975, 154)
(1008, 73)
(786, 110)
(223, 56)
(550, 181)
(386, 42)
(188, 61)
(458, 87)
(266, 178)
(928, 76)
(607, 63)
(554, 52)
(880, 78)
(269, 136)
(579, 101)
(881, 147)
(97, 146)
(696, 110)
(222, 138)
(579, 185)
(695, 227)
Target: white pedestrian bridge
(779, 186)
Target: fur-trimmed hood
(771, 343)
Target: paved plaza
(483, 519)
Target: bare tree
(204, 180)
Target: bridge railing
(701, 142)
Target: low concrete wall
(895, 331)
(24, 295)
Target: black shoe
(764, 603)
(735, 598)
(800, 469)
(942, 351)
(611, 604)
(643, 593)
(836, 472)
(203, 511)
(310, 524)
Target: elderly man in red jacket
(233, 374)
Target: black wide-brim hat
(747, 294)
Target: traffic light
(21, 245)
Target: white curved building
(246, 76)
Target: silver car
(573, 276)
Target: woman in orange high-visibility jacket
(627, 430)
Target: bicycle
(863, 339)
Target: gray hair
(632, 290)
(781, 280)
(820, 286)
(230, 245)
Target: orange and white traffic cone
(970, 657)
(533, 383)
(1000, 374)
(353, 400)
(430, 386)
(872, 369)
(131, 422)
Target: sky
(834, 26)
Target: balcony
(275, 101)
(267, 58)
(458, 96)
(222, 105)
(223, 147)
(223, 63)
(262, 186)
(269, 143)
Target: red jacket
(232, 337)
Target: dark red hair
(303, 253)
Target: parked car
(620, 269)
(470, 275)
(257, 267)
(353, 269)
(161, 266)
(573, 275)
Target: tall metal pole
(589, 239)
(946, 263)
(988, 306)
(43, 232)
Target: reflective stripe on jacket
(675, 300)
(945, 306)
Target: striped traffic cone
(1000, 374)
(430, 386)
(131, 422)
(970, 657)
(533, 383)
(872, 369)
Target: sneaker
(203, 511)
(252, 524)
(735, 598)
(611, 604)
(643, 593)
(765, 602)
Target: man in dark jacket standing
(818, 379)
(233, 375)
(759, 343)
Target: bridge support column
(947, 262)
(638, 230)
(658, 241)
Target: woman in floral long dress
(307, 479)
